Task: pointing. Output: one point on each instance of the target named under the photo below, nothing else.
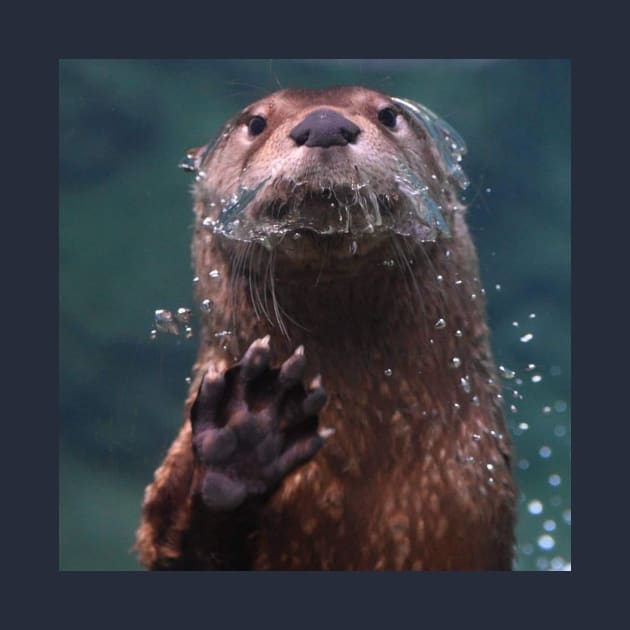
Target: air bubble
(536, 378)
(544, 452)
(476, 437)
(530, 367)
(465, 383)
(441, 323)
(560, 406)
(456, 362)
(388, 372)
(153, 334)
(527, 338)
(506, 372)
(546, 542)
(555, 480)
(497, 287)
(183, 315)
(513, 409)
(546, 410)
(523, 426)
(459, 333)
(389, 263)
(206, 305)
(188, 380)
(515, 324)
(214, 273)
(532, 316)
(535, 507)
(165, 321)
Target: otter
(345, 411)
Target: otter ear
(191, 162)
(449, 145)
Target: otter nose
(324, 128)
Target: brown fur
(417, 474)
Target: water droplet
(527, 549)
(475, 401)
(497, 287)
(549, 525)
(165, 321)
(223, 333)
(544, 452)
(515, 324)
(559, 430)
(566, 516)
(183, 315)
(506, 372)
(296, 236)
(513, 408)
(465, 383)
(208, 222)
(530, 367)
(153, 333)
(354, 248)
(536, 378)
(439, 278)
(388, 372)
(473, 296)
(546, 542)
(188, 332)
(542, 563)
(456, 406)
(558, 564)
(555, 480)
(535, 507)
(546, 410)
(459, 333)
(560, 406)
(532, 316)
(206, 305)
(555, 370)
(527, 338)
(441, 323)
(476, 437)
(523, 464)
(523, 426)
(188, 380)
(490, 466)
(214, 273)
(195, 279)
(488, 190)
(458, 282)
(456, 362)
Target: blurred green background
(124, 231)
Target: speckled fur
(417, 474)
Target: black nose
(324, 128)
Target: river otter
(328, 229)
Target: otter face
(346, 163)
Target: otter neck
(418, 329)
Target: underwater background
(125, 216)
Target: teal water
(124, 234)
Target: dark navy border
(30, 488)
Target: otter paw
(253, 425)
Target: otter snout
(324, 128)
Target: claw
(292, 370)
(256, 359)
(210, 391)
(314, 402)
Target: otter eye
(387, 116)
(256, 125)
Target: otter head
(341, 169)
